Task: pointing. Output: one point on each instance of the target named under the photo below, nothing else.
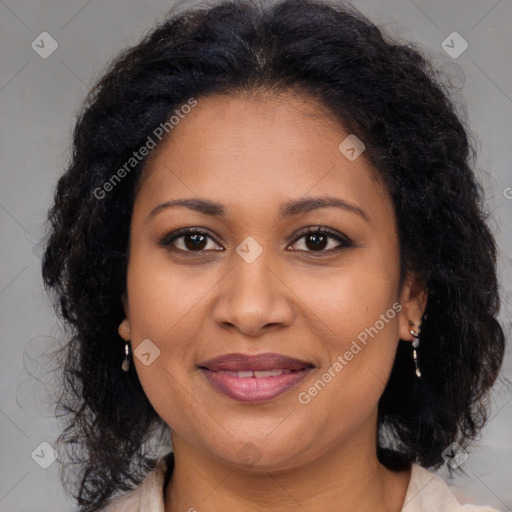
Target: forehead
(250, 153)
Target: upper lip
(260, 362)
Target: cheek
(353, 313)
(345, 301)
(163, 296)
(163, 308)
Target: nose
(253, 297)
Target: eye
(316, 239)
(191, 240)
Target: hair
(386, 93)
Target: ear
(413, 299)
(124, 326)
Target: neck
(345, 477)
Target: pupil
(197, 240)
(316, 242)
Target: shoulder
(428, 492)
(148, 497)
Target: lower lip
(254, 389)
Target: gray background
(38, 100)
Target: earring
(126, 363)
(415, 345)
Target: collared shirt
(426, 493)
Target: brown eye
(193, 242)
(187, 240)
(318, 239)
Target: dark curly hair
(385, 92)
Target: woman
(270, 243)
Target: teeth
(258, 374)
(264, 373)
(278, 371)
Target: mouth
(254, 378)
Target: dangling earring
(126, 363)
(415, 345)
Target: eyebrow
(289, 209)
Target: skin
(252, 154)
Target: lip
(246, 362)
(254, 389)
(221, 371)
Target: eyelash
(345, 242)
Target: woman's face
(258, 283)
